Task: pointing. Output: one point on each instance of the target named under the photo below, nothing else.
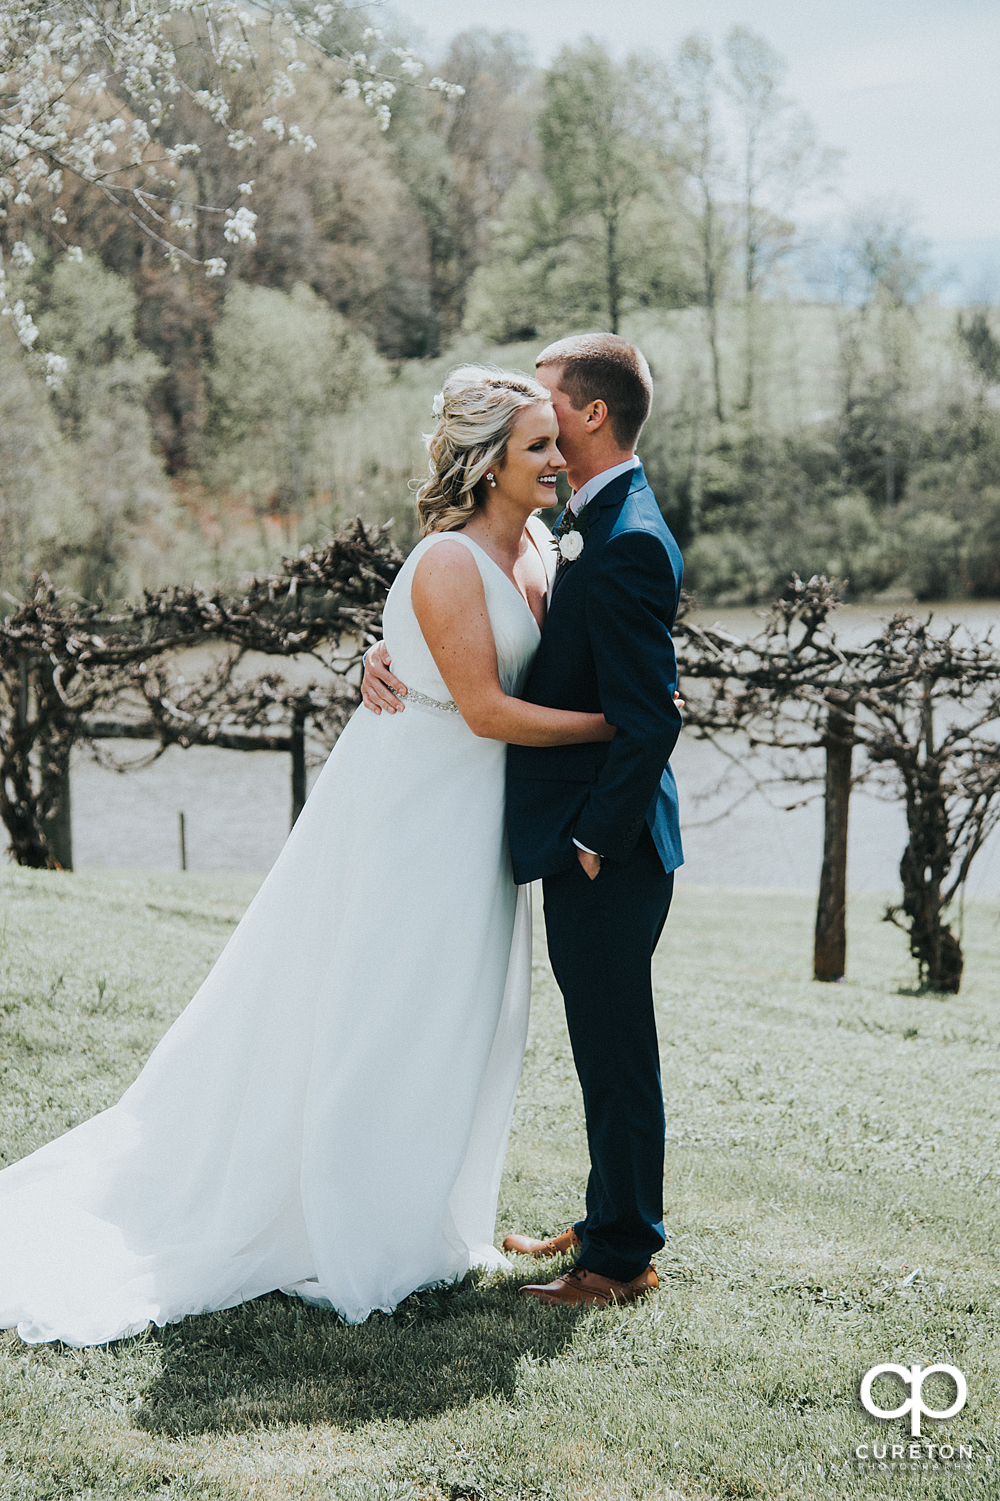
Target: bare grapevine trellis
(923, 707)
(72, 673)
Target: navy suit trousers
(601, 937)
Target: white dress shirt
(576, 503)
(586, 492)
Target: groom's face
(572, 423)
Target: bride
(310, 1122)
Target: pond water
(237, 806)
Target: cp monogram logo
(914, 1377)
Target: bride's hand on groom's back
(379, 689)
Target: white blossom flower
(21, 254)
(437, 405)
(275, 126)
(24, 325)
(186, 148)
(449, 90)
(246, 188)
(74, 253)
(56, 366)
(215, 266)
(59, 217)
(571, 546)
(408, 62)
(215, 103)
(350, 88)
(239, 228)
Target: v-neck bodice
(516, 632)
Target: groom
(599, 823)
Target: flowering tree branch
(89, 89)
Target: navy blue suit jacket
(606, 648)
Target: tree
(36, 514)
(594, 132)
(460, 156)
(598, 236)
(90, 92)
(778, 157)
(121, 98)
(697, 144)
(281, 361)
(120, 489)
(981, 345)
(880, 274)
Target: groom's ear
(596, 415)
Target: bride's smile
(527, 478)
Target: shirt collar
(586, 492)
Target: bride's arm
(450, 606)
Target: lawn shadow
(275, 1361)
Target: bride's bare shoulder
(446, 570)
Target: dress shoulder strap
(470, 546)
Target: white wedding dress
(329, 1114)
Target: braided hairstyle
(476, 411)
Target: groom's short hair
(608, 368)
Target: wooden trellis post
(830, 949)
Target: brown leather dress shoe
(580, 1286)
(523, 1245)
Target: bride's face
(527, 477)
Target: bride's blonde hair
(476, 411)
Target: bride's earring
(489, 476)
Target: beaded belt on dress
(413, 697)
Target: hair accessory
(489, 476)
(437, 405)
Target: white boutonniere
(570, 533)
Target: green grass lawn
(832, 1166)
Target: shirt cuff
(586, 849)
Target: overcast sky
(908, 89)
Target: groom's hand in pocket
(379, 689)
(590, 862)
